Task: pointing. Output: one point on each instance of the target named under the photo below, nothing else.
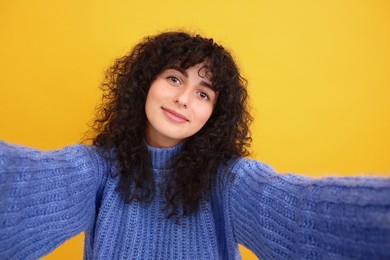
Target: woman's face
(178, 105)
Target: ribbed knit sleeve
(46, 197)
(280, 216)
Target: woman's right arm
(46, 197)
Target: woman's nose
(182, 97)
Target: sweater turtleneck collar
(160, 157)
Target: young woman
(166, 176)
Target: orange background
(318, 71)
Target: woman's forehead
(204, 70)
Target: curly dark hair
(121, 120)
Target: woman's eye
(203, 95)
(174, 79)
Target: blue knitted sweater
(48, 197)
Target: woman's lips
(175, 116)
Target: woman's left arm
(281, 216)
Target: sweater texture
(48, 197)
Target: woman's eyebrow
(181, 70)
(207, 85)
(185, 74)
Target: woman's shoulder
(251, 174)
(241, 171)
(241, 166)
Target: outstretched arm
(292, 217)
(46, 197)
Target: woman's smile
(175, 116)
